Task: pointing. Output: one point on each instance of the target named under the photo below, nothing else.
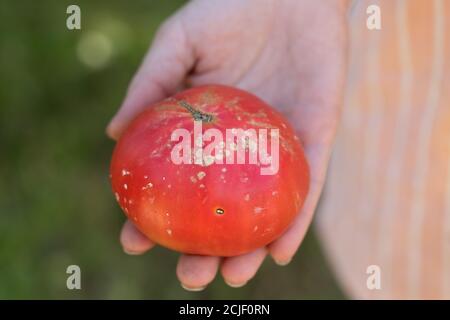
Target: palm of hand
(289, 53)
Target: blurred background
(58, 90)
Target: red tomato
(205, 207)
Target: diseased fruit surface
(208, 208)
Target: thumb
(162, 71)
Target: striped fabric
(387, 199)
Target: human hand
(291, 53)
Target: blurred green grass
(56, 207)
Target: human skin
(291, 53)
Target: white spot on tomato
(247, 197)
(258, 209)
(222, 177)
(125, 186)
(266, 231)
(201, 175)
(169, 232)
(147, 186)
(125, 172)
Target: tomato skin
(213, 209)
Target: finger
(284, 248)
(161, 72)
(196, 272)
(133, 241)
(237, 271)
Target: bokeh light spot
(95, 50)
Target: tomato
(198, 201)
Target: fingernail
(111, 130)
(108, 129)
(131, 253)
(282, 262)
(236, 285)
(192, 289)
